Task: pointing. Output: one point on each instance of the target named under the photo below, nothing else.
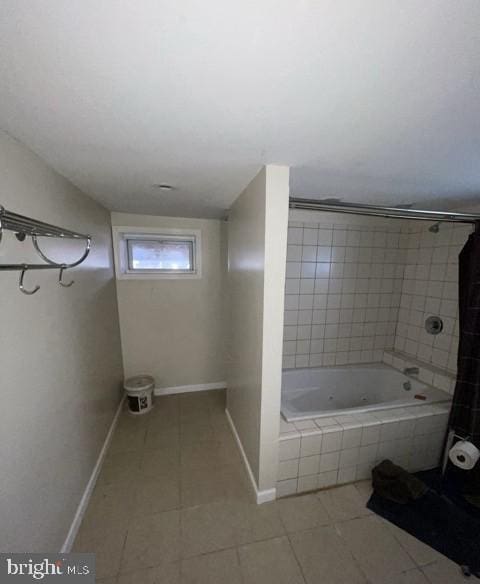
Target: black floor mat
(442, 519)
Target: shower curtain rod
(379, 211)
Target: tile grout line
(237, 554)
(296, 558)
(350, 552)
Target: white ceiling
(368, 100)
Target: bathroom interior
(239, 343)
(362, 291)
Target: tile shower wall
(342, 292)
(430, 287)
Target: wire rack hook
(22, 287)
(60, 278)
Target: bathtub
(332, 391)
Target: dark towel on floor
(436, 519)
(396, 484)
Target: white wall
(257, 234)
(173, 329)
(60, 359)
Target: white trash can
(139, 393)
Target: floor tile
(163, 574)
(194, 430)
(421, 553)
(343, 503)
(256, 522)
(324, 557)
(158, 494)
(110, 507)
(236, 484)
(304, 512)
(411, 577)
(167, 437)
(445, 572)
(128, 439)
(152, 540)
(166, 407)
(194, 412)
(128, 422)
(378, 553)
(174, 505)
(159, 462)
(207, 528)
(216, 568)
(204, 454)
(269, 562)
(107, 545)
(194, 402)
(199, 486)
(121, 467)
(221, 427)
(365, 490)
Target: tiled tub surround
(342, 291)
(320, 453)
(353, 290)
(430, 287)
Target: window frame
(121, 236)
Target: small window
(156, 253)
(160, 255)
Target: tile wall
(343, 284)
(319, 453)
(430, 287)
(356, 289)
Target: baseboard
(260, 496)
(82, 506)
(266, 495)
(189, 388)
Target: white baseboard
(82, 506)
(260, 496)
(266, 495)
(188, 388)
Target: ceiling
(365, 100)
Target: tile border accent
(188, 388)
(260, 496)
(87, 493)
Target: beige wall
(257, 235)
(60, 359)
(173, 329)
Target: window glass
(169, 255)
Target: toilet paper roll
(464, 455)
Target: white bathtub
(329, 391)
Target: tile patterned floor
(173, 506)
